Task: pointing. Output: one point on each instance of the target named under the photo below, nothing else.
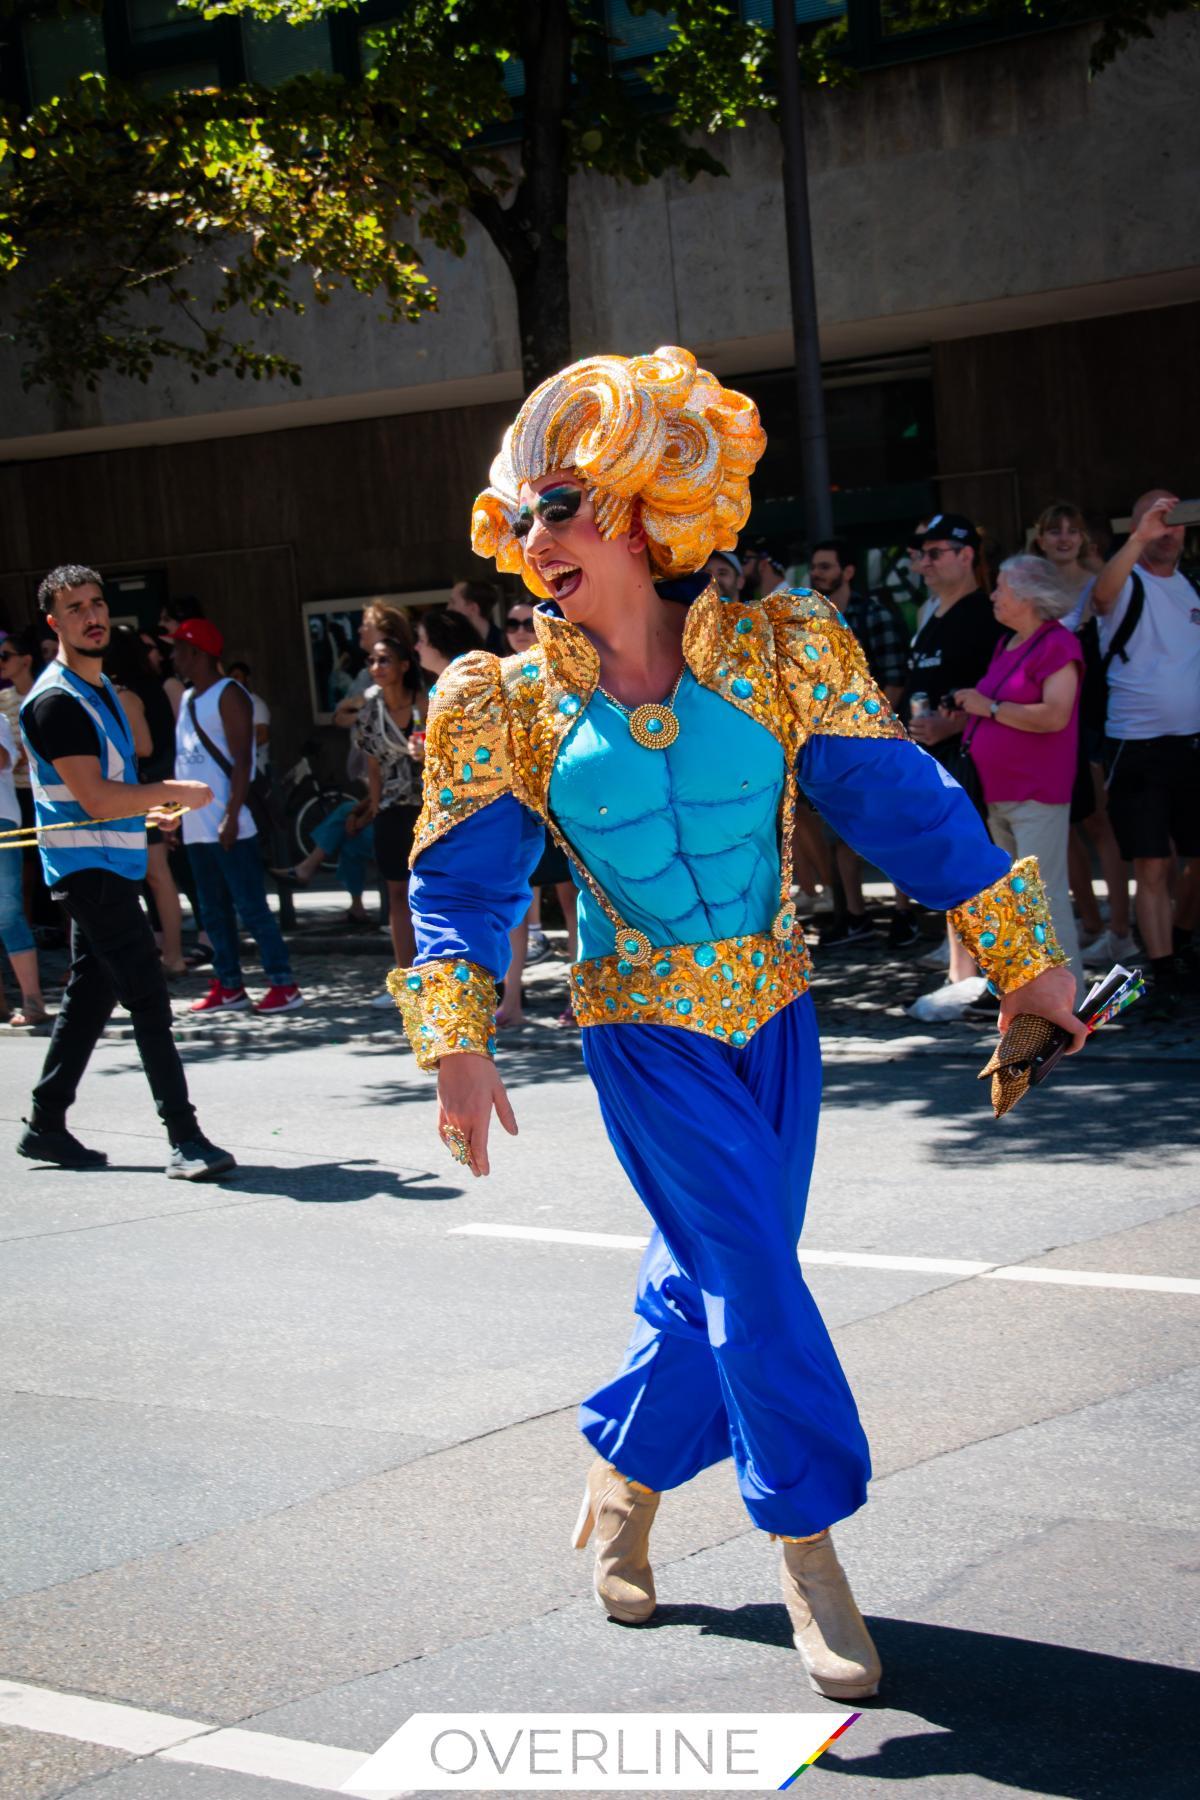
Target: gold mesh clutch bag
(1026, 1043)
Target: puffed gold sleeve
(822, 672)
(466, 747)
(1008, 928)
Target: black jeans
(113, 958)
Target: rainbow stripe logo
(810, 1760)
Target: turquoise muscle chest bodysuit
(684, 840)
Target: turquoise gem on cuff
(812, 653)
(683, 1006)
(447, 796)
(569, 705)
(413, 984)
(1039, 932)
(1017, 884)
(871, 706)
(461, 972)
(705, 955)
(741, 689)
(632, 946)
(987, 939)
(468, 773)
(530, 671)
(820, 692)
(738, 1038)
(745, 625)
(662, 968)
(483, 754)
(624, 968)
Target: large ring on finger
(457, 1143)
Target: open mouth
(562, 580)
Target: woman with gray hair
(1024, 734)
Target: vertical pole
(813, 443)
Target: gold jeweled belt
(728, 988)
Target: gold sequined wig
(654, 429)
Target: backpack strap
(1128, 625)
(223, 763)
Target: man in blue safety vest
(83, 770)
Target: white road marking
(865, 1259)
(164, 1738)
(92, 1721)
(277, 1758)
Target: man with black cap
(958, 637)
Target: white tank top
(193, 763)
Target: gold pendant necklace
(654, 725)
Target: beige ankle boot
(621, 1513)
(827, 1627)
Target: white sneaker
(535, 944)
(937, 958)
(382, 1000)
(949, 1002)
(1123, 949)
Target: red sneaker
(280, 999)
(222, 999)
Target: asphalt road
(288, 1459)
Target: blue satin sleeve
(470, 888)
(896, 805)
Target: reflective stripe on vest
(115, 845)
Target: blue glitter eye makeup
(556, 506)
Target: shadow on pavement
(334, 1183)
(1044, 1718)
(1040, 1717)
(1134, 1114)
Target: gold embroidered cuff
(1008, 928)
(447, 1007)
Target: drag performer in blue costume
(660, 733)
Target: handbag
(959, 762)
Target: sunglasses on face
(939, 550)
(557, 506)
(521, 622)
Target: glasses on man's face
(931, 554)
(518, 622)
(8, 655)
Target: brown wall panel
(1095, 410)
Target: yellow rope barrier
(25, 837)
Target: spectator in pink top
(1024, 739)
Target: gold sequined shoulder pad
(822, 671)
(467, 760)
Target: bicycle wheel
(314, 812)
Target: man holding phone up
(92, 815)
(1153, 721)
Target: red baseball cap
(202, 633)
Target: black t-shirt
(58, 725)
(952, 650)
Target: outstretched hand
(469, 1090)
(1051, 995)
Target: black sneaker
(903, 933)
(55, 1144)
(839, 934)
(198, 1160)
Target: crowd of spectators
(1063, 692)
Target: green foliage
(137, 229)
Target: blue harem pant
(729, 1355)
